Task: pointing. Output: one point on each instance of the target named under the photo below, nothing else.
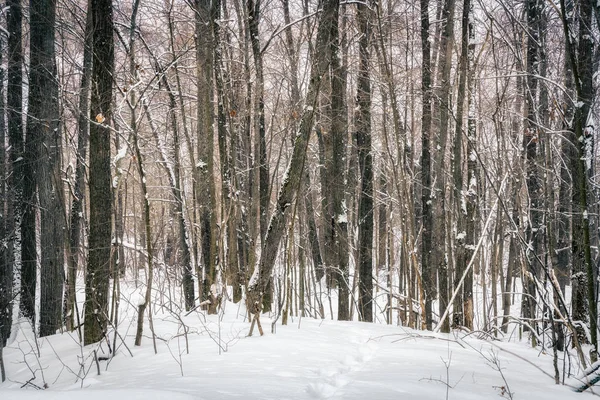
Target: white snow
(120, 154)
(307, 359)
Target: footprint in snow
(330, 380)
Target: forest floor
(307, 359)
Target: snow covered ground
(307, 359)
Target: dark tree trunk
(44, 133)
(14, 102)
(98, 267)
(335, 170)
(263, 166)
(6, 267)
(438, 260)
(253, 7)
(365, 164)
(428, 271)
(205, 167)
(457, 167)
(472, 174)
(534, 229)
(580, 56)
(313, 237)
(563, 222)
(227, 264)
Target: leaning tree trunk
(99, 242)
(291, 183)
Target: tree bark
(6, 267)
(534, 229)
(365, 162)
(583, 286)
(460, 205)
(472, 174)
(427, 269)
(44, 134)
(14, 103)
(98, 268)
(206, 196)
(439, 252)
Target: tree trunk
(98, 269)
(472, 174)
(460, 204)
(6, 267)
(365, 163)
(254, 14)
(335, 169)
(227, 263)
(427, 269)
(205, 167)
(44, 133)
(439, 253)
(583, 291)
(14, 103)
(148, 236)
(534, 229)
